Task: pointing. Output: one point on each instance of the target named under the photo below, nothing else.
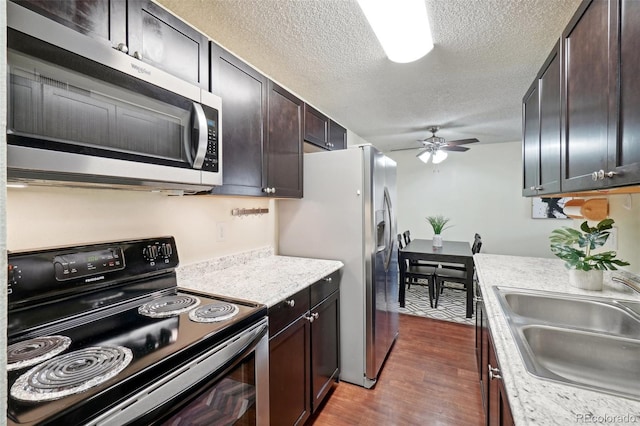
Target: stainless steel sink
(582, 341)
(607, 316)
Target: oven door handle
(182, 379)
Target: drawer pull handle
(291, 303)
(494, 373)
(328, 279)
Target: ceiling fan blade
(455, 148)
(405, 149)
(462, 141)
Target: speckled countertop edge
(258, 275)
(536, 401)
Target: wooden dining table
(450, 252)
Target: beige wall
(480, 190)
(44, 217)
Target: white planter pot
(586, 280)
(437, 240)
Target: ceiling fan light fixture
(401, 26)
(424, 156)
(439, 156)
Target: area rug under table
(451, 306)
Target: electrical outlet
(221, 231)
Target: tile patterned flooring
(451, 306)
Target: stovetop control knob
(150, 252)
(166, 250)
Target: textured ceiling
(486, 54)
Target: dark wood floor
(430, 378)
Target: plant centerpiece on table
(576, 247)
(439, 224)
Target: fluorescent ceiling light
(402, 27)
(439, 156)
(424, 156)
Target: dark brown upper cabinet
(139, 28)
(586, 96)
(243, 123)
(601, 96)
(100, 19)
(542, 129)
(261, 131)
(161, 39)
(316, 127)
(284, 153)
(337, 136)
(531, 139)
(624, 154)
(323, 132)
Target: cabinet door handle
(309, 318)
(539, 188)
(137, 55)
(328, 279)
(315, 315)
(611, 174)
(291, 303)
(494, 373)
(122, 48)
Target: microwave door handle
(201, 142)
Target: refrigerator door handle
(390, 242)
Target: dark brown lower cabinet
(289, 374)
(325, 352)
(303, 351)
(499, 413)
(494, 396)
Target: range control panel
(50, 273)
(83, 264)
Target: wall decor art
(548, 208)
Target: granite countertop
(536, 401)
(259, 275)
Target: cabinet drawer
(325, 286)
(283, 313)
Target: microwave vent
(61, 85)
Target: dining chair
(416, 272)
(455, 274)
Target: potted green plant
(575, 247)
(438, 223)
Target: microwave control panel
(211, 163)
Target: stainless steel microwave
(82, 113)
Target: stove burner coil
(168, 306)
(71, 373)
(34, 351)
(213, 312)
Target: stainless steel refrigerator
(348, 214)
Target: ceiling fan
(437, 146)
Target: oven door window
(68, 111)
(230, 400)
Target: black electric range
(92, 327)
